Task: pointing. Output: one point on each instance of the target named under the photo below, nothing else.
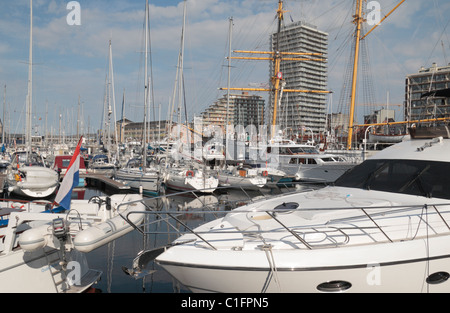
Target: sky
(70, 62)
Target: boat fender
(189, 174)
(34, 238)
(99, 235)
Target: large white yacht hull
(386, 267)
(383, 227)
(325, 173)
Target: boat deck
(93, 179)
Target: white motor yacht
(382, 227)
(302, 161)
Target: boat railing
(337, 232)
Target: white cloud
(74, 57)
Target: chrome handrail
(387, 210)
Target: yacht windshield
(414, 177)
(296, 150)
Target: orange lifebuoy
(17, 206)
(265, 173)
(189, 174)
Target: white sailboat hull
(181, 182)
(250, 183)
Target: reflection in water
(158, 231)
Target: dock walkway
(101, 180)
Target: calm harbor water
(120, 253)
(112, 257)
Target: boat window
(312, 161)
(310, 150)
(414, 177)
(28, 159)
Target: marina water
(120, 253)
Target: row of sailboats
(141, 173)
(43, 244)
(382, 227)
(27, 174)
(185, 175)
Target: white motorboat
(382, 227)
(190, 178)
(320, 167)
(243, 177)
(302, 161)
(43, 251)
(135, 175)
(27, 176)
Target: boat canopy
(413, 177)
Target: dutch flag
(70, 180)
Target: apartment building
(425, 80)
(299, 110)
(243, 109)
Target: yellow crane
(277, 57)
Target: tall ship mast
(277, 57)
(358, 19)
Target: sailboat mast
(3, 118)
(146, 87)
(30, 84)
(178, 86)
(230, 36)
(181, 65)
(122, 125)
(277, 61)
(358, 20)
(113, 96)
